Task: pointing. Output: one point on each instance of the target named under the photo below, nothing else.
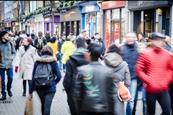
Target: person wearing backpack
(46, 75)
(120, 68)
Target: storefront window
(123, 21)
(107, 28)
(98, 23)
(115, 25)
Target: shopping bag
(29, 107)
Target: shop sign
(90, 8)
(142, 5)
(112, 4)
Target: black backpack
(43, 75)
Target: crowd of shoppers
(97, 81)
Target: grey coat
(120, 67)
(7, 54)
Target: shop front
(39, 23)
(114, 21)
(91, 18)
(70, 22)
(51, 23)
(150, 16)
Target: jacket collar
(46, 58)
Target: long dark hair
(114, 48)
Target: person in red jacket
(154, 67)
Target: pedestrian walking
(26, 57)
(7, 54)
(120, 68)
(45, 77)
(98, 40)
(151, 70)
(75, 60)
(39, 42)
(54, 45)
(95, 88)
(129, 52)
(67, 50)
(47, 36)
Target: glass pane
(107, 28)
(115, 25)
(123, 22)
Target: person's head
(40, 34)
(27, 41)
(80, 43)
(113, 48)
(167, 40)
(157, 39)
(130, 38)
(95, 51)
(84, 33)
(97, 35)
(140, 36)
(53, 40)
(47, 50)
(4, 36)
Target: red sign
(112, 4)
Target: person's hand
(16, 68)
(123, 92)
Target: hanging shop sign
(112, 4)
(90, 8)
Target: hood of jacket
(78, 57)
(113, 60)
(46, 59)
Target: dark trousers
(10, 80)
(94, 113)
(164, 100)
(46, 101)
(171, 95)
(24, 85)
(71, 104)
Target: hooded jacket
(76, 60)
(52, 61)
(120, 67)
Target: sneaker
(10, 93)
(3, 98)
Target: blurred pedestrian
(45, 77)
(54, 45)
(75, 60)
(98, 40)
(85, 37)
(168, 45)
(151, 70)
(129, 52)
(26, 57)
(47, 36)
(7, 54)
(39, 42)
(95, 88)
(67, 50)
(120, 68)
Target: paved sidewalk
(16, 104)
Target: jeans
(171, 95)
(24, 85)
(46, 101)
(164, 100)
(130, 104)
(10, 80)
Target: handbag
(29, 107)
